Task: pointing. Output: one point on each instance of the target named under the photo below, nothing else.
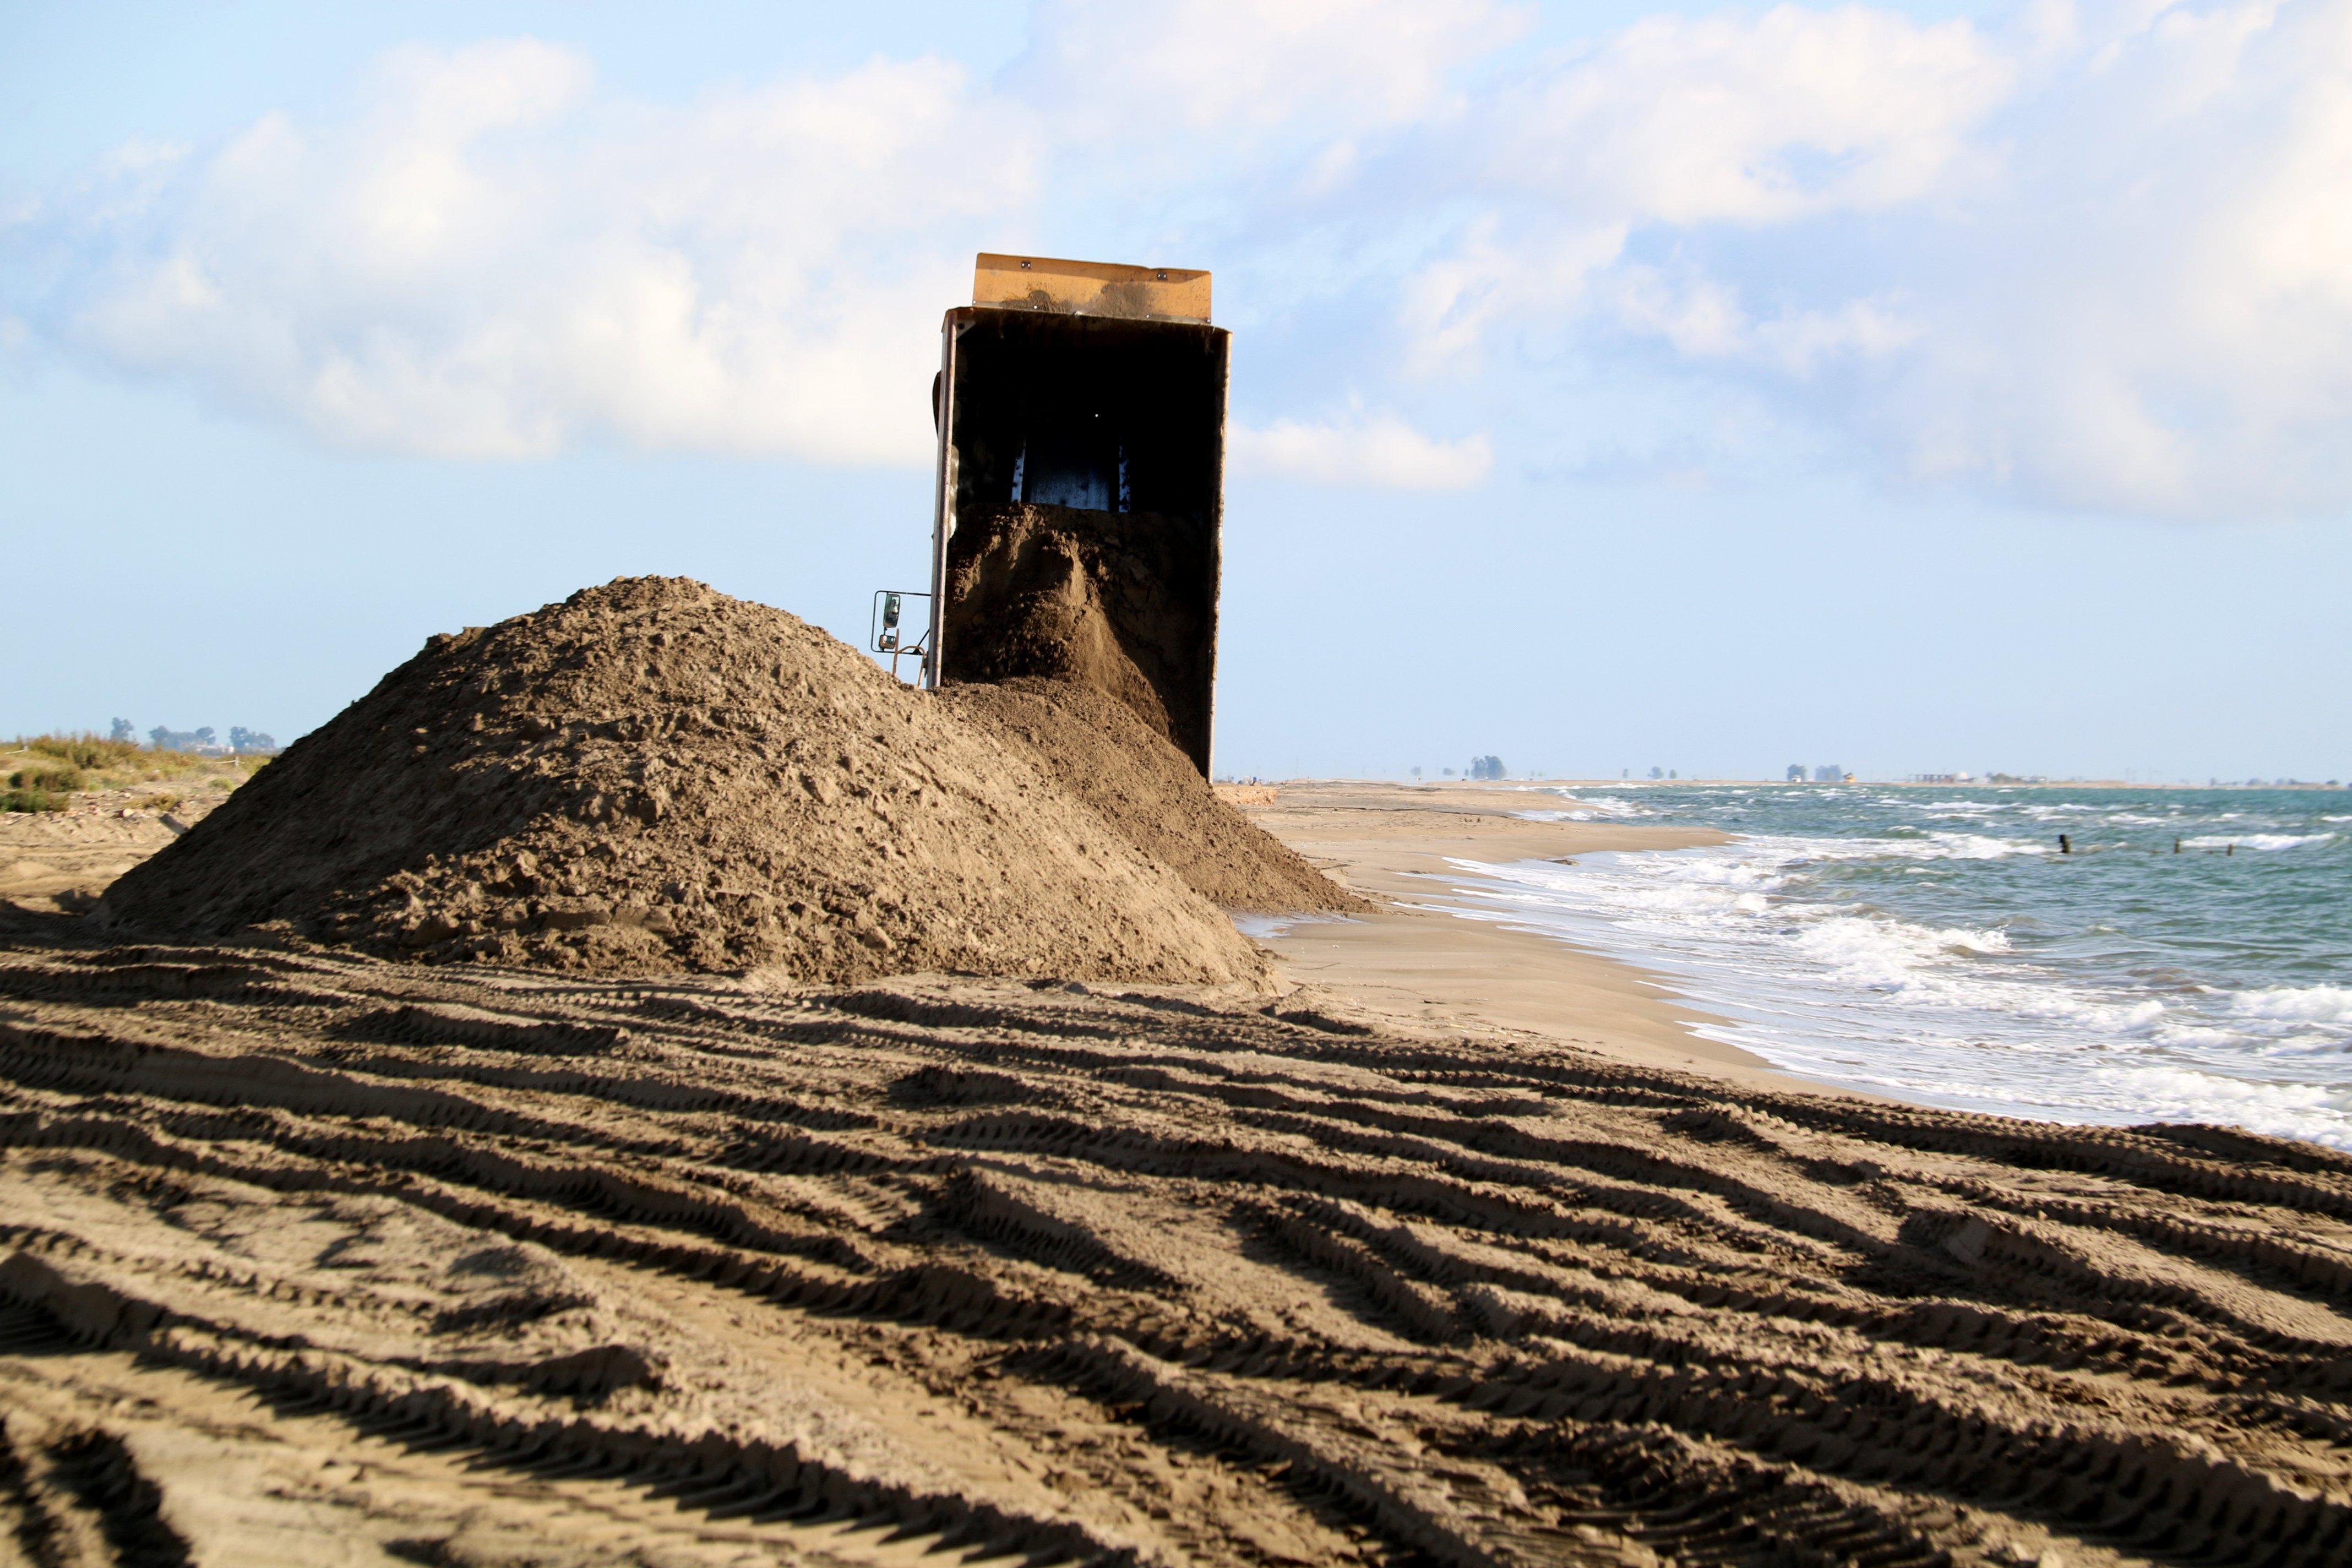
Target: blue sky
(1914, 388)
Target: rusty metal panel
(1090, 287)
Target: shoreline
(1479, 936)
(1417, 969)
(1543, 784)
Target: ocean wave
(2309, 1003)
(2175, 1093)
(2260, 841)
(1935, 846)
(1977, 846)
(1787, 937)
(1586, 807)
(1880, 954)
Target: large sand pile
(651, 776)
(1117, 601)
(1135, 780)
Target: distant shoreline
(1506, 784)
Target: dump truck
(1081, 414)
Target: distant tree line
(242, 741)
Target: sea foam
(1897, 945)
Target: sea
(2189, 961)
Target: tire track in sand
(1149, 1277)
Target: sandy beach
(771, 1010)
(1452, 1247)
(1413, 967)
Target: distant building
(1829, 773)
(1796, 773)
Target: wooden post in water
(2176, 847)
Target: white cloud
(1676, 123)
(1705, 319)
(1339, 67)
(489, 257)
(491, 260)
(1750, 119)
(2102, 258)
(1381, 450)
(1490, 282)
(2154, 312)
(2099, 254)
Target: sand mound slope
(307, 1256)
(1132, 778)
(1112, 600)
(651, 776)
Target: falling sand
(1115, 601)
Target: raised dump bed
(1081, 412)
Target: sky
(1911, 388)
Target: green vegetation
(91, 754)
(44, 773)
(47, 780)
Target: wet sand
(1413, 965)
